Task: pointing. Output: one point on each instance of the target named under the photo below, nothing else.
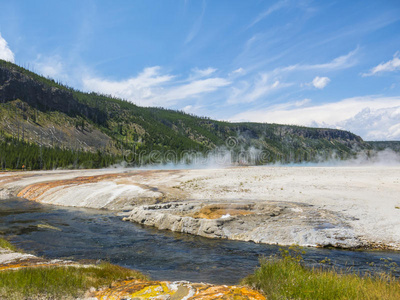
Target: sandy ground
(368, 196)
(314, 206)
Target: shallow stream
(75, 233)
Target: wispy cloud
(259, 86)
(199, 73)
(197, 25)
(389, 66)
(277, 6)
(50, 66)
(134, 89)
(192, 109)
(371, 117)
(190, 90)
(238, 71)
(252, 90)
(320, 82)
(5, 51)
(290, 105)
(342, 62)
(151, 87)
(361, 27)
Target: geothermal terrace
(348, 207)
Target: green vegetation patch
(285, 277)
(60, 282)
(20, 155)
(7, 245)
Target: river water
(75, 233)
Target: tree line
(20, 155)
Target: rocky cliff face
(16, 85)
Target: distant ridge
(40, 112)
(382, 145)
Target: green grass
(60, 282)
(286, 278)
(7, 245)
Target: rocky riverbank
(346, 207)
(122, 289)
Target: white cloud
(390, 66)
(134, 89)
(289, 105)
(52, 66)
(250, 90)
(5, 51)
(190, 90)
(151, 88)
(203, 72)
(192, 109)
(342, 62)
(371, 117)
(302, 102)
(375, 124)
(320, 82)
(238, 71)
(245, 92)
(187, 108)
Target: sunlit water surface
(75, 233)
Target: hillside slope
(40, 111)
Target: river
(76, 233)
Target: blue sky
(314, 63)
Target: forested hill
(38, 113)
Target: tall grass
(285, 277)
(60, 282)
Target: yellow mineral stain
(216, 211)
(136, 289)
(153, 290)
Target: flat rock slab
(269, 222)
